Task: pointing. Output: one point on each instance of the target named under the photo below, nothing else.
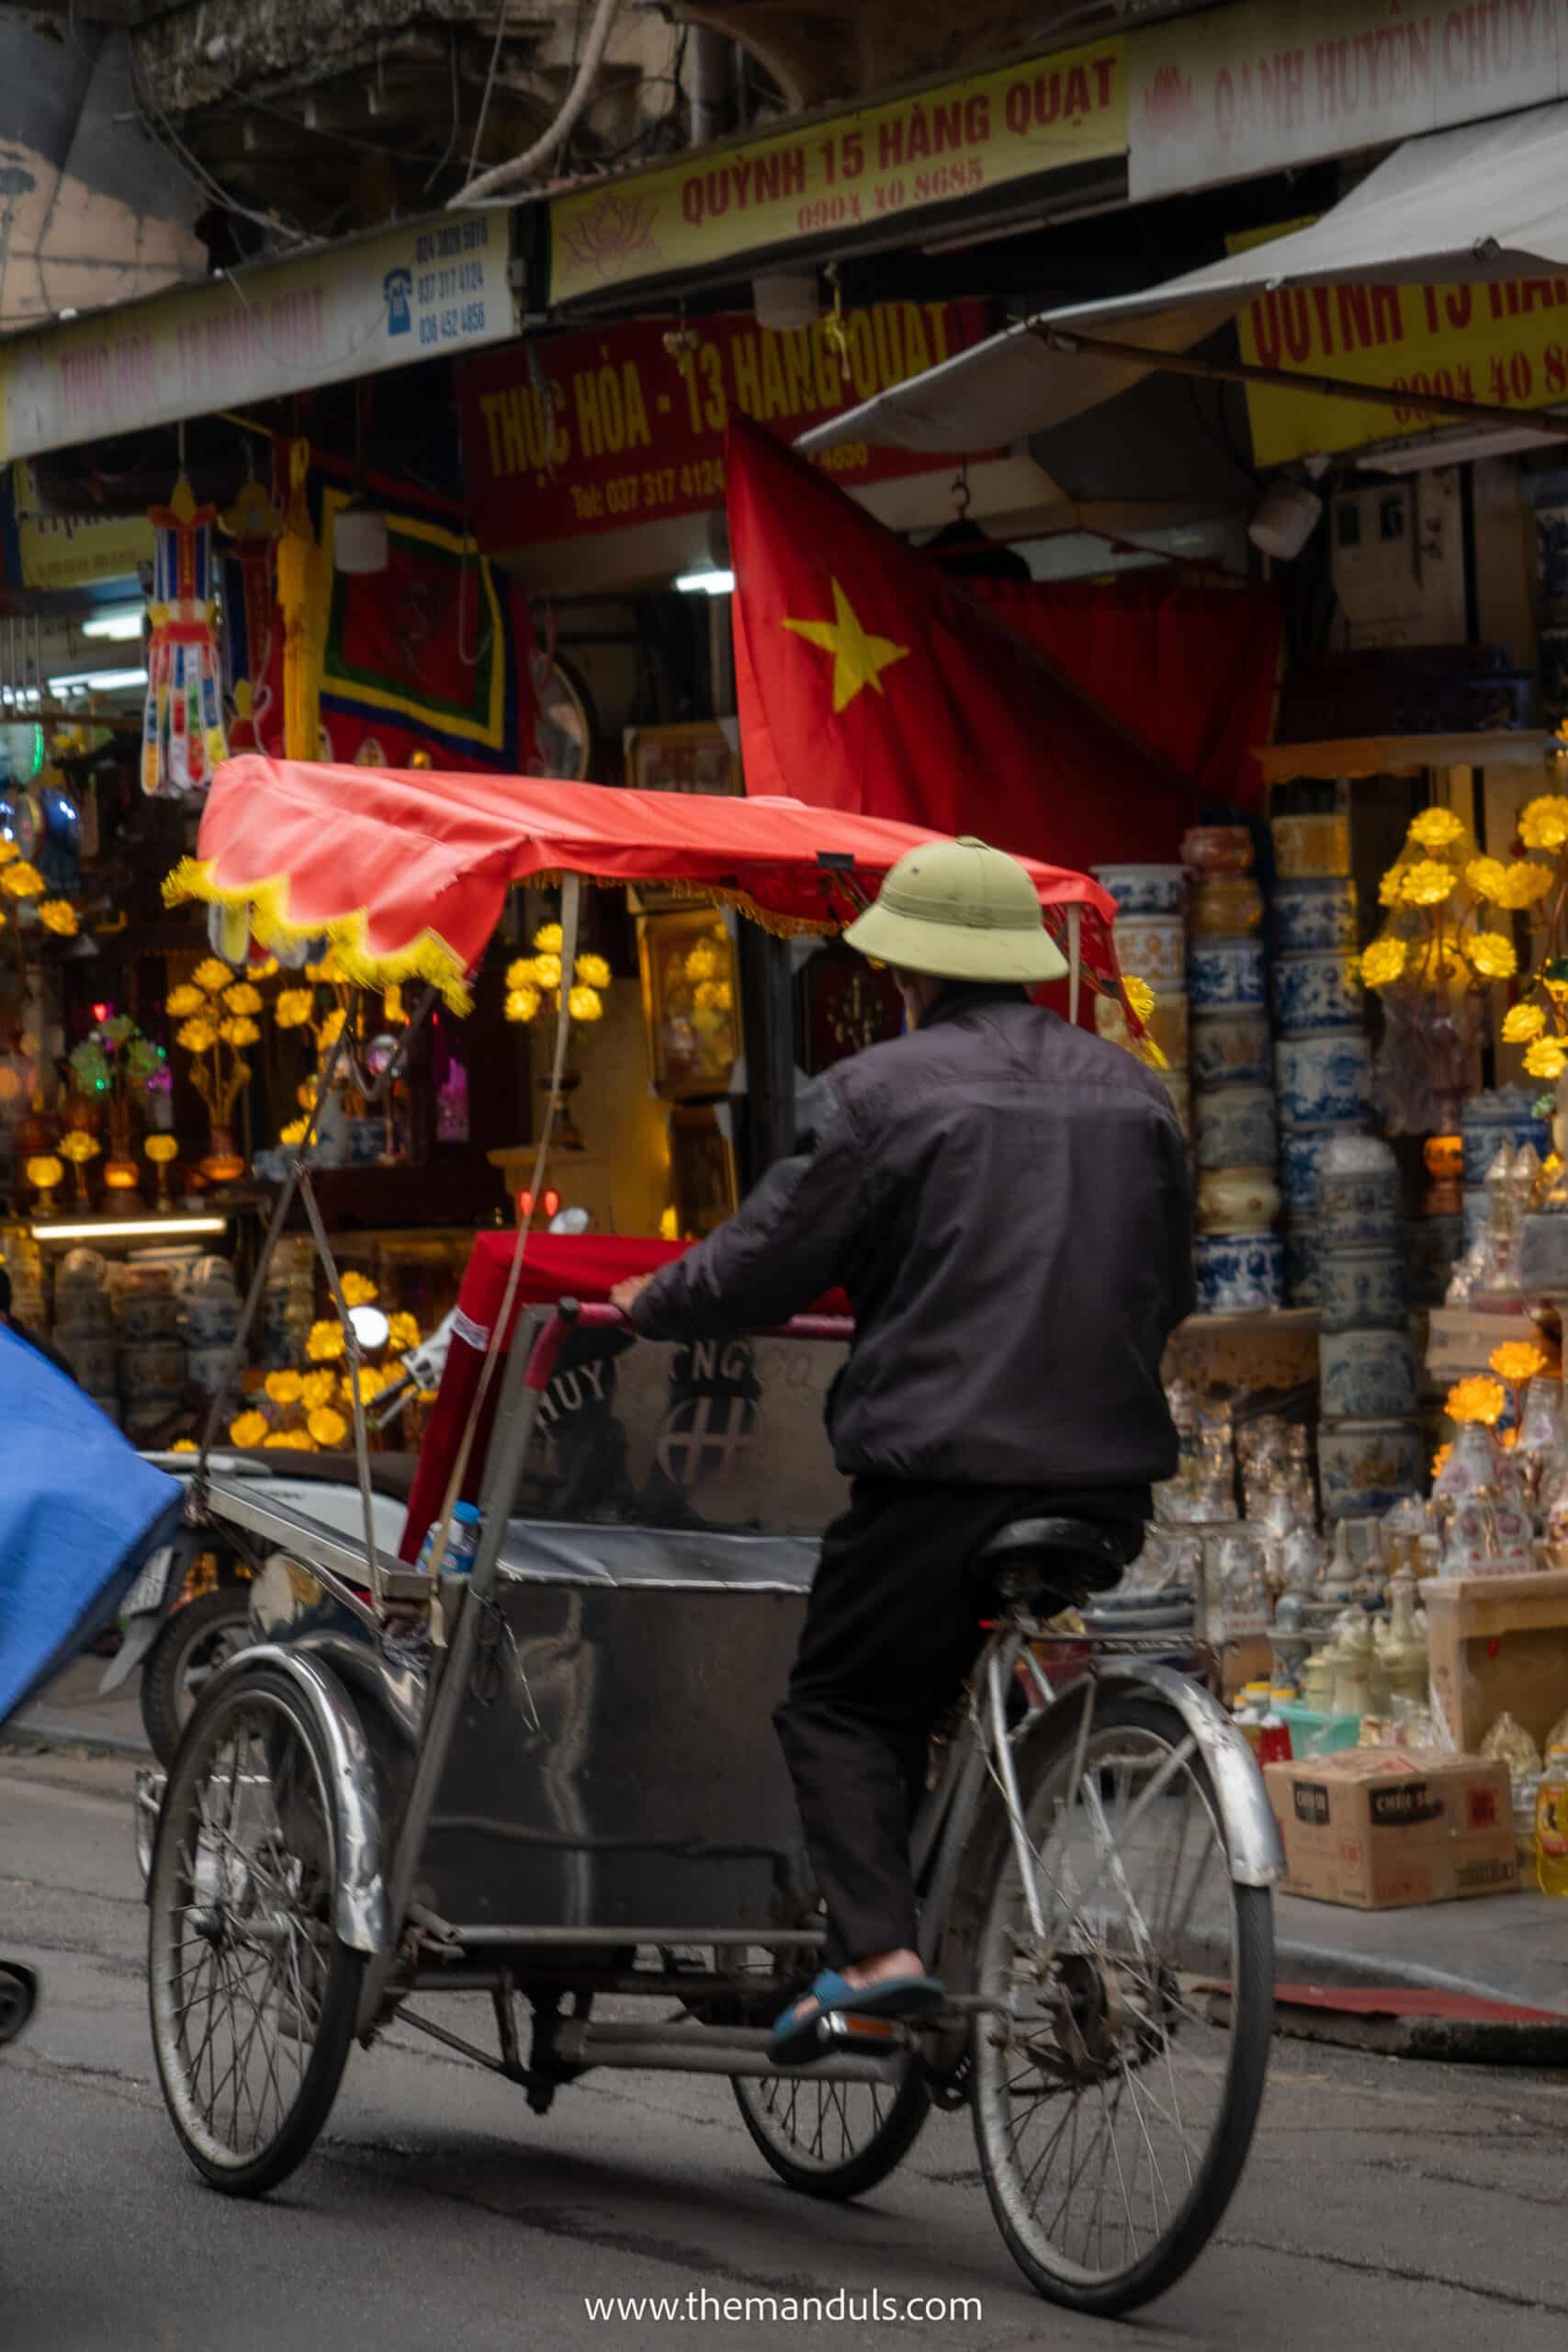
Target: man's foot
(891, 1984)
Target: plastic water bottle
(462, 1543)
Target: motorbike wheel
(200, 1636)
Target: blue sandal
(795, 2039)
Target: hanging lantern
(254, 526)
(182, 735)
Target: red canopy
(407, 872)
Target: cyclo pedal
(842, 2030)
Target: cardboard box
(1377, 1828)
(1498, 1641)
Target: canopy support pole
(1550, 424)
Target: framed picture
(702, 1169)
(703, 755)
(691, 1000)
(846, 1005)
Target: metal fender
(361, 1901)
(1252, 1834)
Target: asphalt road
(1397, 2208)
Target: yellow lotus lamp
(44, 1173)
(79, 1147)
(163, 1151)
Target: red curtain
(1190, 667)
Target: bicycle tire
(1248, 2041)
(163, 1717)
(173, 1889)
(760, 2099)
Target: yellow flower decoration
(161, 1150)
(1140, 997)
(1440, 1460)
(1523, 1022)
(521, 1004)
(370, 1384)
(57, 915)
(327, 969)
(293, 1008)
(330, 1029)
(549, 939)
(21, 880)
(702, 964)
(241, 998)
(1433, 961)
(291, 1441)
(326, 1342)
(1428, 884)
(392, 1006)
(284, 1388)
(1388, 889)
(1478, 1398)
(239, 1033)
(197, 1036)
(669, 1226)
(1383, 963)
(1548, 1058)
(546, 971)
(317, 1388)
(327, 1427)
(266, 970)
(184, 1445)
(1517, 1361)
(584, 1004)
(405, 1332)
(358, 1290)
(593, 971)
(295, 1133)
(1435, 829)
(212, 975)
(1523, 883)
(250, 1428)
(1543, 824)
(79, 1146)
(181, 1003)
(305, 1094)
(1488, 878)
(1492, 954)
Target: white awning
(1488, 201)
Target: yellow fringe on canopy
(709, 894)
(427, 958)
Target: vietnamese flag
(868, 681)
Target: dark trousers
(892, 1628)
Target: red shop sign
(609, 427)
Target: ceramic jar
(211, 1322)
(1238, 1200)
(1225, 974)
(1489, 1121)
(213, 1369)
(1236, 1128)
(1363, 1290)
(1311, 916)
(1167, 1025)
(1154, 948)
(1365, 1468)
(1299, 1156)
(1302, 1260)
(1143, 890)
(1217, 848)
(1322, 1078)
(1312, 848)
(147, 1315)
(93, 1355)
(1225, 906)
(153, 1366)
(1230, 1049)
(1238, 1274)
(1320, 990)
(1366, 1376)
(1358, 1193)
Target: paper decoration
(182, 733)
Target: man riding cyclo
(1004, 1198)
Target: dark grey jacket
(1005, 1200)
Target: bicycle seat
(1064, 1558)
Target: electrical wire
(457, 108)
(489, 86)
(163, 134)
(505, 175)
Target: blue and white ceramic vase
(1322, 1079)
(1320, 990)
(1358, 1194)
(1365, 1468)
(1154, 948)
(1236, 1127)
(1225, 975)
(1239, 1273)
(1301, 1240)
(1230, 1049)
(1145, 890)
(1314, 915)
(1367, 1375)
(1488, 1121)
(1363, 1290)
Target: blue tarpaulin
(79, 1513)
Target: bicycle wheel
(253, 1994)
(1113, 2113)
(201, 1637)
(833, 2139)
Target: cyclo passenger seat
(1052, 1563)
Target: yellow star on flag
(858, 660)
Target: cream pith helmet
(959, 911)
